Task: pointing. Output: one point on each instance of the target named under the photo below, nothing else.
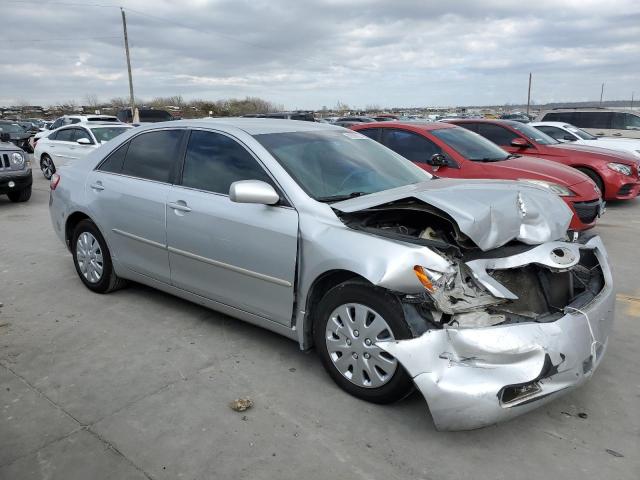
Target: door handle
(617, 134)
(180, 205)
(97, 186)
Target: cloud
(314, 53)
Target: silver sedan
(469, 291)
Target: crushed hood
(490, 212)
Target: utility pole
(126, 48)
(529, 95)
(632, 94)
(601, 93)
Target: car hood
(538, 169)
(603, 153)
(490, 212)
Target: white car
(67, 144)
(564, 132)
(71, 120)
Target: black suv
(15, 171)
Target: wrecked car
(468, 290)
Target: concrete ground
(136, 385)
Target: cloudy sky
(310, 53)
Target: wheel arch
(321, 285)
(584, 168)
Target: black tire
(596, 179)
(109, 281)
(44, 160)
(385, 304)
(20, 196)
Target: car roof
(253, 126)
(103, 125)
(551, 124)
(419, 125)
(499, 121)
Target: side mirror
(84, 141)
(253, 191)
(438, 160)
(520, 143)
(5, 137)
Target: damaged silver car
(469, 291)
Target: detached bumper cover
(463, 373)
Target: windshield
(581, 133)
(534, 134)
(470, 145)
(105, 134)
(334, 165)
(11, 128)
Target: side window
(52, 136)
(81, 133)
(497, 134)
(625, 121)
(65, 135)
(114, 161)
(372, 133)
(554, 132)
(566, 117)
(592, 119)
(57, 124)
(74, 120)
(214, 161)
(410, 145)
(153, 155)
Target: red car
(615, 173)
(454, 152)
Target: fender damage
(515, 319)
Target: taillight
(55, 180)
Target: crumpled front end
(489, 364)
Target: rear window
(102, 119)
(154, 116)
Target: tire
(596, 179)
(91, 254)
(20, 196)
(353, 299)
(47, 166)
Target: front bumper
(19, 180)
(463, 373)
(585, 214)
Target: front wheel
(92, 259)
(351, 318)
(595, 178)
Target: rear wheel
(92, 259)
(47, 166)
(20, 196)
(596, 179)
(351, 318)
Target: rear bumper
(474, 377)
(14, 182)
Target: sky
(312, 53)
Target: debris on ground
(241, 404)
(583, 415)
(614, 453)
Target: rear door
(241, 255)
(78, 150)
(127, 196)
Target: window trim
(284, 199)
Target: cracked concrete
(136, 385)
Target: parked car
(516, 117)
(146, 115)
(17, 135)
(68, 144)
(355, 119)
(615, 173)
(597, 121)
(564, 132)
(455, 152)
(339, 243)
(15, 171)
(71, 120)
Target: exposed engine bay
(484, 288)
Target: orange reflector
(424, 279)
